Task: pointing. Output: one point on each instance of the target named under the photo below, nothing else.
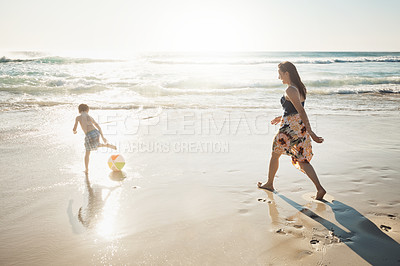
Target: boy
(89, 126)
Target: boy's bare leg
(307, 167)
(273, 168)
(108, 146)
(87, 161)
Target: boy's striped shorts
(92, 140)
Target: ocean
(337, 82)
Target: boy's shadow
(364, 237)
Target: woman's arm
(294, 97)
(276, 120)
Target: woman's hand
(316, 138)
(104, 139)
(276, 120)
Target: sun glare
(106, 226)
(203, 27)
(206, 32)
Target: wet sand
(194, 204)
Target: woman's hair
(294, 76)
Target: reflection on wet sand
(101, 208)
(273, 210)
(117, 175)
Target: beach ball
(116, 162)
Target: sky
(201, 25)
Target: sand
(188, 193)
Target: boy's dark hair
(83, 108)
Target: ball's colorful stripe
(116, 162)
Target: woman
(293, 137)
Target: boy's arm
(99, 128)
(75, 126)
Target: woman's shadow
(364, 237)
(91, 214)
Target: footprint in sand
(304, 253)
(264, 200)
(391, 216)
(280, 231)
(298, 226)
(233, 170)
(297, 189)
(385, 227)
(243, 211)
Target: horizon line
(194, 51)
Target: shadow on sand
(364, 237)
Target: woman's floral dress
(293, 139)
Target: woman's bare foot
(266, 186)
(320, 194)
